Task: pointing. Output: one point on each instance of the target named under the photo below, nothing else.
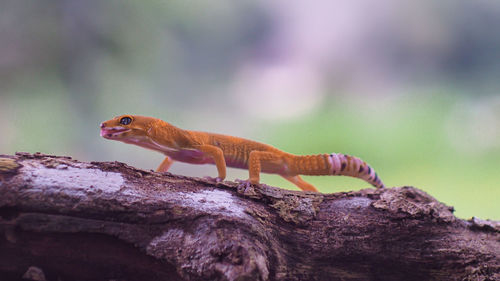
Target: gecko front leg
(218, 156)
(165, 165)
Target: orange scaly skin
(226, 151)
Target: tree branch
(98, 221)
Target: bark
(61, 219)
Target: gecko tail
(334, 164)
(346, 165)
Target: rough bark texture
(62, 219)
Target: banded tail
(336, 164)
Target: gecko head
(126, 128)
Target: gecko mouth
(112, 132)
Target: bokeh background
(410, 87)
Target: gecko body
(226, 151)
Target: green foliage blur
(412, 89)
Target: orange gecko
(226, 151)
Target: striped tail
(346, 165)
(338, 165)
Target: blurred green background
(412, 88)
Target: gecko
(196, 147)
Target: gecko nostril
(103, 125)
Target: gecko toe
(212, 179)
(247, 188)
(243, 183)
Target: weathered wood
(99, 221)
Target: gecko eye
(125, 120)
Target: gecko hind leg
(300, 183)
(262, 159)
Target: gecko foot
(212, 179)
(245, 187)
(244, 183)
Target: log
(62, 219)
